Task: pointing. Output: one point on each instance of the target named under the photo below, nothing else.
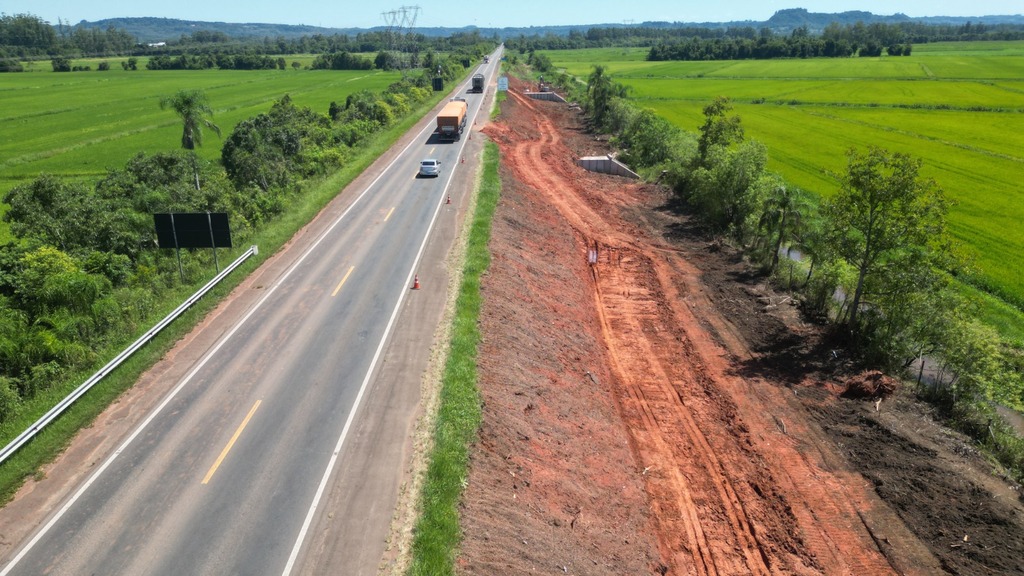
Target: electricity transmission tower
(398, 37)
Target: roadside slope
(664, 368)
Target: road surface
(232, 470)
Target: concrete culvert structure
(606, 165)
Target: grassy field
(78, 124)
(957, 106)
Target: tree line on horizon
(28, 37)
(835, 40)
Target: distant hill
(816, 21)
(788, 20)
(166, 29)
(782, 22)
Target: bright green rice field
(78, 124)
(957, 106)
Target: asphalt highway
(228, 474)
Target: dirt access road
(664, 412)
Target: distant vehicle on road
(478, 84)
(430, 167)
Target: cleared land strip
(731, 491)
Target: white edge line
(145, 423)
(366, 379)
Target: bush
(342, 61)
(10, 65)
(9, 399)
(40, 377)
(61, 64)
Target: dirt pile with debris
(870, 385)
(650, 413)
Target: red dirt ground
(664, 412)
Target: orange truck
(451, 121)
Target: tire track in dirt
(686, 469)
(826, 499)
(722, 505)
(689, 482)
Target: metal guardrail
(64, 404)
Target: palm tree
(192, 107)
(601, 90)
(782, 217)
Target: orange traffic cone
(416, 282)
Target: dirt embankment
(662, 411)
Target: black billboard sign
(193, 230)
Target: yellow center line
(342, 283)
(390, 212)
(224, 452)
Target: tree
(782, 218)
(726, 183)
(730, 188)
(719, 128)
(192, 107)
(161, 182)
(971, 356)
(649, 140)
(61, 64)
(50, 211)
(601, 89)
(275, 149)
(887, 223)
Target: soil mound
(870, 385)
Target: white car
(430, 167)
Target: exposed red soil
(664, 412)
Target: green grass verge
(437, 531)
(500, 97)
(52, 440)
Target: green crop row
(975, 64)
(959, 107)
(1007, 48)
(79, 124)
(836, 92)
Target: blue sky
(484, 13)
